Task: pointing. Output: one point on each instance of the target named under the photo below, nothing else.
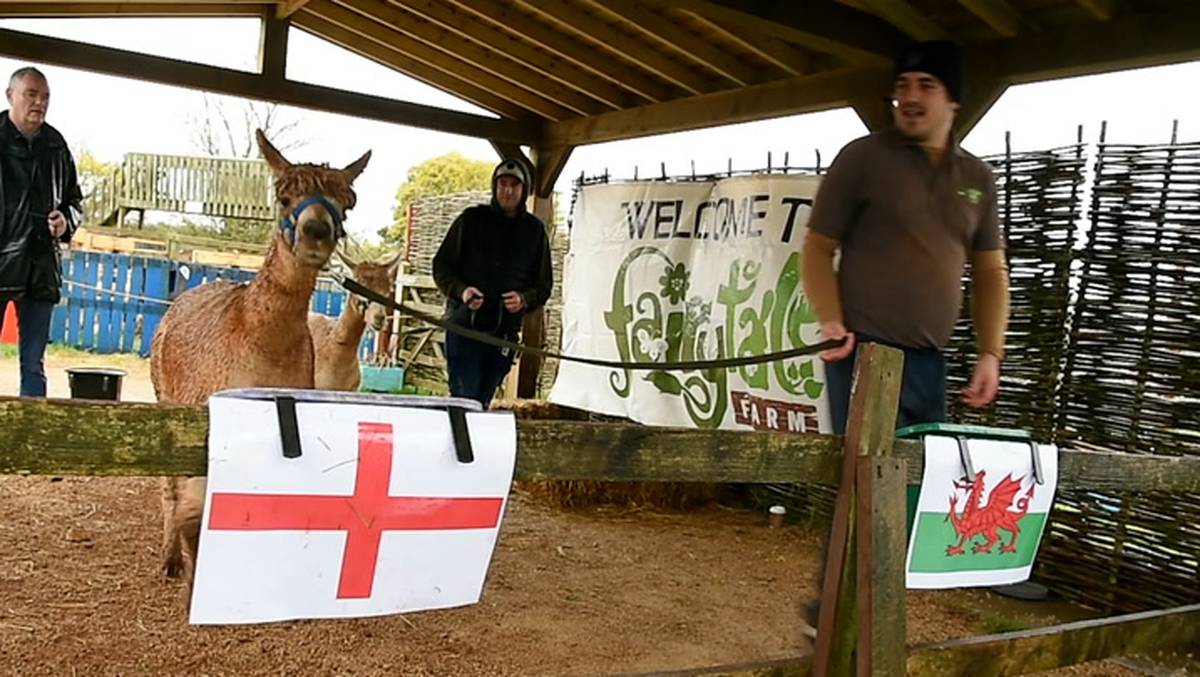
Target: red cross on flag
(376, 516)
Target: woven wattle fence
(1038, 199)
(1130, 380)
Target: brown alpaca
(335, 341)
(224, 335)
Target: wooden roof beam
(458, 49)
(1101, 9)
(792, 60)
(473, 28)
(126, 9)
(999, 14)
(907, 18)
(390, 58)
(791, 96)
(1137, 41)
(372, 29)
(649, 21)
(826, 26)
(505, 18)
(286, 8)
(619, 44)
(175, 72)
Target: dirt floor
(592, 591)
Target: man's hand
(472, 297)
(58, 223)
(835, 331)
(513, 302)
(985, 382)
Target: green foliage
(245, 230)
(441, 175)
(91, 170)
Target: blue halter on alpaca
(288, 223)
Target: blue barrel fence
(104, 295)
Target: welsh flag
(983, 530)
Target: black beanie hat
(940, 58)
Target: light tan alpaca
(223, 335)
(335, 341)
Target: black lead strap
(289, 431)
(358, 289)
(461, 435)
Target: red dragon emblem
(978, 519)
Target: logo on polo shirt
(973, 195)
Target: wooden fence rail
(80, 437)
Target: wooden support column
(272, 46)
(548, 163)
(852, 602)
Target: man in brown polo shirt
(908, 209)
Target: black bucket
(95, 383)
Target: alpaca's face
(318, 226)
(381, 279)
(317, 229)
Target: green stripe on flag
(934, 535)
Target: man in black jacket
(39, 208)
(493, 266)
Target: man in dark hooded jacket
(494, 267)
(39, 208)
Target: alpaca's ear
(274, 158)
(352, 171)
(393, 264)
(344, 257)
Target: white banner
(376, 516)
(673, 271)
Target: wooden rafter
(390, 58)
(902, 15)
(619, 44)
(371, 29)
(678, 38)
(439, 41)
(180, 73)
(286, 8)
(1101, 9)
(791, 96)
(824, 26)
(999, 14)
(773, 50)
(503, 17)
(126, 9)
(501, 42)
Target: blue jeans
(476, 369)
(33, 333)
(922, 390)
